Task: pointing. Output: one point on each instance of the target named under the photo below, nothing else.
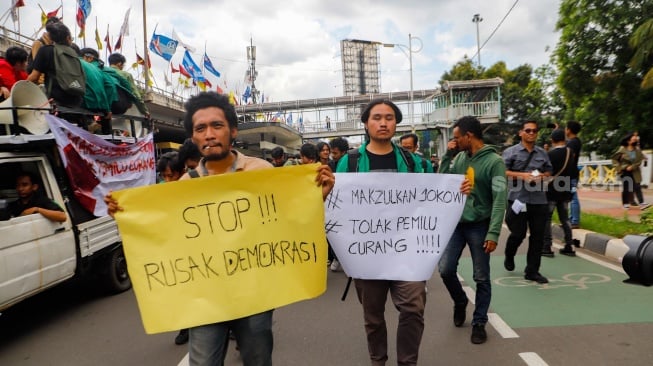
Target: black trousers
(533, 220)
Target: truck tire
(115, 277)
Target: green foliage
(600, 86)
(642, 42)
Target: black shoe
(568, 250)
(182, 337)
(536, 277)
(459, 314)
(575, 226)
(509, 263)
(478, 334)
(576, 243)
(548, 253)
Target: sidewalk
(607, 202)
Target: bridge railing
(598, 173)
(486, 111)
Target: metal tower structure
(251, 73)
(360, 71)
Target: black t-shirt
(37, 200)
(560, 188)
(44, 62)
(575, 145)
(382, 163)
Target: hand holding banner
(392, 226)
(240, 244)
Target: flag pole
(145, 50)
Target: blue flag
(192, 68)
(247, 94)
(289, 119)
(163, 46)
(209, 66)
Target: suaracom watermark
(559, 184)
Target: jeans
(472, 234)
(574, 207)
(409, 298)
(533, 220)
(208, 343)
(561, 206)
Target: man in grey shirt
(526, 167)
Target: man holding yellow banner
(209, 285)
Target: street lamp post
(408, 51)
(477, 19)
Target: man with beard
(212, 123)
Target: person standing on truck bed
(32, 201)
(212, 123)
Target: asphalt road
(585, 316)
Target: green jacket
(488, 198)
(126, 81)
(100, 90)
(364, 161)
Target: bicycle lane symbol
(577, 280)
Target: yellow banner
(217, 248)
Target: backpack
(69, 73)
(353, 155)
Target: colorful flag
(219, 89)
(107, 40)
(192, 68)
(141, 61)
(289, 119)
(45, 16)
(118, 44)
(14, 9)
(163, 46)
(208, 65)
(184, 72)
(247, 93)
(172, 69)
(175, 36)
(83, 11)
(98, 41)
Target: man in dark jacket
(559, 191)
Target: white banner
(392, 226)
(96, 166)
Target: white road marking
(532, 359)
(501, 326)
(184, 361)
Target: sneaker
(626, 206)
(479, 335)
(644, 206)
(634, 204)
(568, 250)
(335, 266)
(576, 243)
(509, 263)
(547, 252)
(182, 337)
(459, 313)
(536, 277)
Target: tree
(642, 42)
(599, 87)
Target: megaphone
(26, 94)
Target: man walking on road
(212, 123)
(409, 297)
(526, 166)
(480, 224)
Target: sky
(298, 41)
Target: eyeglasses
(530, 130)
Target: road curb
(605, 245)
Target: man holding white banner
(480, 225)
(398, 234)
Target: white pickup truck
(35, 252)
